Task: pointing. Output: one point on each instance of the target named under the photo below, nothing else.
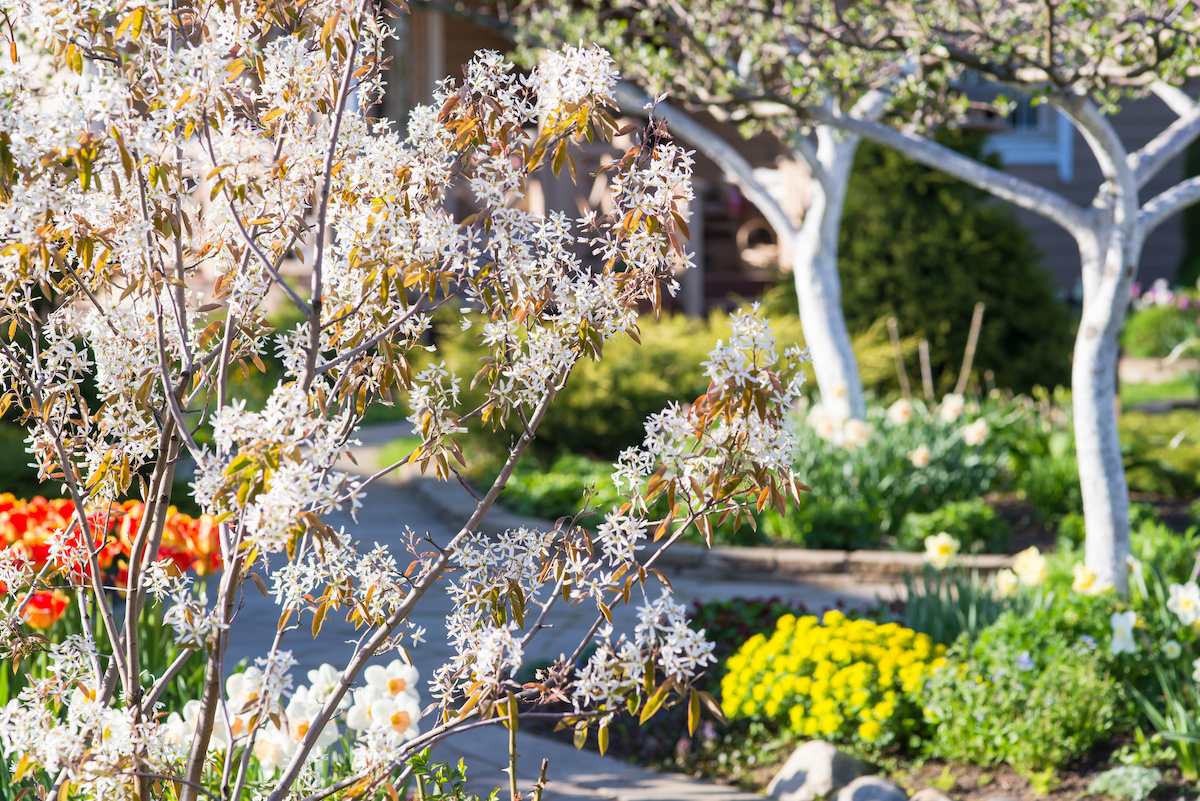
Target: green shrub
(926, 247)
(1152, 332)
(864, 488)
(1164, 451)
(604, 406)
(1032, 692)
(16, 476)
(972, 522)
(1189, 262)
(560, 490)
(1127, 782)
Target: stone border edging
(754, 563)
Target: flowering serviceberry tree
(159, 165)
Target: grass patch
(397, 449)
(1182, 388)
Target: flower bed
(40, 530)
(1036, 680)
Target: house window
(1030, 135)
(1036, 135)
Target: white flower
(1030, 567)
(301, 712)
(920, 456)
(1122, 632)
(900, 412)
(398, 715)
(952, 407)
(1006, 583)
(857, 433)
(1172, 649)
(323, 681)
(1185, 602)
(1196, 670)
(398, 677)
(940, 550)
(975, 433)
(273, 748)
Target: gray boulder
(930, 794)
(871, 788)
(814, 770)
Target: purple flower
(1135, 291)
(1088, 642)
(1024, 661)
(1183, 301)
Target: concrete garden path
(404, 500)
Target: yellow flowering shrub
(849, 681)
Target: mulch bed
(663, 744)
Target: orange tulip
(45, 608)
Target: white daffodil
(398, 677)
(940, 550)
(919, 456)
(975, 433)
(300, 713)
(1172, 649)
(1085, 581)
(900, 412)
(359, 716)
(1185, 602)
(1030, 567)
(952, 407)
(1122, 632)
(273, 748)
(1006, 583)
(856, 433)
(397, 714)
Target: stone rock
(871, 788)
(930, 794)
(815, 769)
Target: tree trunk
(819, 293)
(1108, 271)
(813, 246)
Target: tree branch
(1017, 191)
(1173, 140)
(1158, 209)
(401, 613)
(1178, 100)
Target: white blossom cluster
(302, 481)
(662, 638)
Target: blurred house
(735, 248)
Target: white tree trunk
(818, 284)
(813, 247)
(1108, 275)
